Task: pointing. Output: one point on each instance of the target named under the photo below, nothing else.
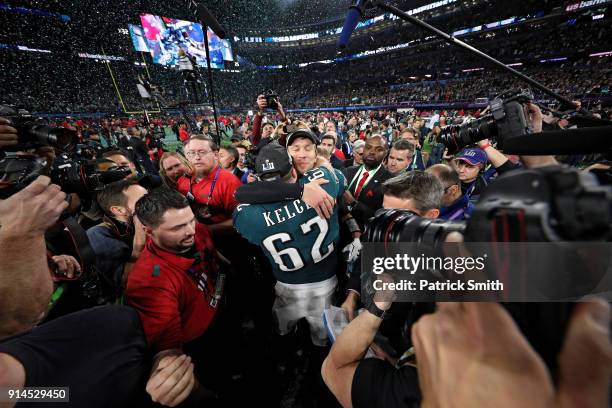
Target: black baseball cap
(305, 133)
(273, 159)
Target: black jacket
(371, 197)
(336, 163)
(237, 172)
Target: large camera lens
(56, 137)
(456, 137)
(406, 226)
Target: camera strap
(80, 241)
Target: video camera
(73, 170)
(80, 177)
(251, 156)
(506, 120)
(33, 133)
(549, 204)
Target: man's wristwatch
(372, 308)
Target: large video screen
(166, 36)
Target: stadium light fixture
(601, 54)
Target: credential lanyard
(212, 186)
(190, 195)
(456, 214)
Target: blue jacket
(459, 210)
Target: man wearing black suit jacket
(364, 195)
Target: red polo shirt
(174, 294)
(183, 134)
(222, 202)
(339, 154)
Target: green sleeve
(322, 172)
(244, 222)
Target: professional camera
(82, 177)
(251, 156)
(33, 133)
(73, 176)
(506, 120)
(156, 138)
(548, 204)
(551, 204)
(271, 99)
(87, 150)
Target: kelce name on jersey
(285, 213)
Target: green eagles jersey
(300, 245)
(341, 182)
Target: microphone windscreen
(352, 18)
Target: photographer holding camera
(265, 101)
(120, 238)
(114, 361)
(472, 355)
(26, 282)
(470, 163)
(416, 191)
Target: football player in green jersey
(300, 245)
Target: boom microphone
(354, 14)
(209, 20)
(572, 141)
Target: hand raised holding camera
(33, 209)
(280, 110)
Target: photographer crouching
(52, 354)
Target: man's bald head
(450, 181)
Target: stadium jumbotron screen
(166, 36)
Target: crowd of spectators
(189, 241)
(183, 259)
(426, 72)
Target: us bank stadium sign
(585, 4)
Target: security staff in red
(210, 189)
(176, 288)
